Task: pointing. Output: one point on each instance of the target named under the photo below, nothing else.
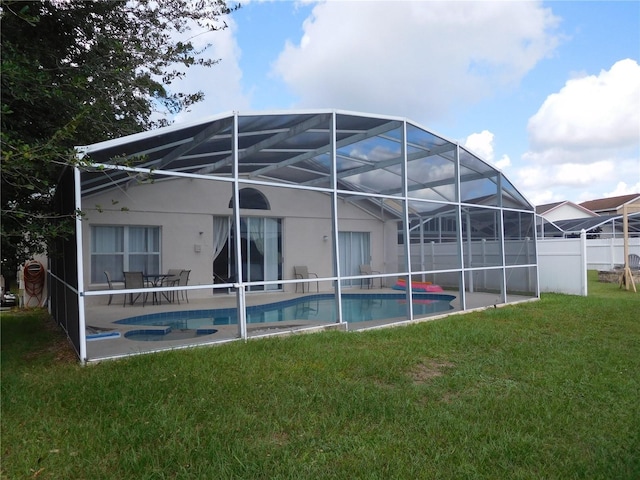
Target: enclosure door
(354, 251)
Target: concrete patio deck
(101, 318)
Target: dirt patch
(58, 347)
(280, 438)
(428, 369)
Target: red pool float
(418, 286)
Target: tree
(76, 72)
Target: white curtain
(220, 234)
(271, 254)
(115, 249)
(354, 251)
(107, 239)
(107, 253)
(144, 249)
(256, 233)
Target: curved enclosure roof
(297, 147)
(591, 225)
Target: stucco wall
(184, 209)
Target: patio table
(156, 280)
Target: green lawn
(542, 390)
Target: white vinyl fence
(563, 262)
(436, 257)
(608, 253)
(562, 265)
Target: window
(124, 248)
(252, 198)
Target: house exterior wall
(184, 210)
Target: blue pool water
(321, 308)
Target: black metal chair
(106, 274)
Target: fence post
(527, 242)
(612, 252)
(583, 263)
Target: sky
(548, 92)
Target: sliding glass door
(261, 244)
(261, 251)
(355, 250)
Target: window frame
(97, 275)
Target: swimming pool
(317, 308)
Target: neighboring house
(610, 206)
(599, 218)
(563, 211)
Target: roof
(610, 203)
(540, 209)
(296, 148)
(549, 207)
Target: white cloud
(542, 197)
(482, 145)
(544, 183)
(592, 112)
(220, 83)
(623, 189)
(504, 162)
(585, 139)
(415, 59)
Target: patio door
(260, 249)
(355, 250)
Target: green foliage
(73, 73)
(545, 389)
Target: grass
(540, 390)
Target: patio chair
(366, 270)
(302, 272)
(106, 274)
(183, 280)
(134, 280)
(171, 280)
(634, 261)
